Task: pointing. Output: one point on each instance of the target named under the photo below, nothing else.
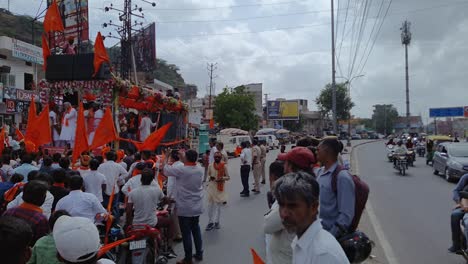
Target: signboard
(10, 106)
(26, 51)
(144, 45)
(283, 110)
(9, 93)
(446, 112)
(22, 107)
(74, 18)
(25, 95)
(465, 111)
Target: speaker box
(83, 67)
(60, 67)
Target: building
(20, 67)
(257, 90)
(456, 127)
(312, 122)
(196, 110)
(401, 124)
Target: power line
(360, 35)
(344, 29)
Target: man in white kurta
(68, 124)
(53, 127)
(145, 127)
(98, 115)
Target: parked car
(451, 159)
(356, 136)
(231, 143)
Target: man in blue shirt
(457, 215)
(336, 208)
(26, 166)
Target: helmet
(357, 246)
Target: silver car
(451, 159)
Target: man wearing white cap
(77, 241)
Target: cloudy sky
(286, 45)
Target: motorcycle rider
(399, 150)
(457, 215)
(409, 143)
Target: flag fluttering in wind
(105, 132)
(100, 53)
(81, 137)
(256, 257)
(52, 19)
(45, 51)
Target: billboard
(26, 51)
(283, 110)
(446, 112)
(144, 47)
(74, 18)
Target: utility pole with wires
(211, 68)
(335, 127)
(406, 40)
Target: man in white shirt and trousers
(145, 126)
(54, 125)
(68, 124)
(298, 194)
(98, 115)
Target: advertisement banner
(144, 46)
(446, 112)
(283, 110)
(74, 18)
(10, 106)
(26, 51)
(25, 95)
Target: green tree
(235, 108)
(294, 125)
(343, 101)
(384, 118)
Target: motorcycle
(411, 157)
(401, 164)
(144, 248)
(390, 152)
(421, 150)
(115, 233)
(463, 239)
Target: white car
(271, 141)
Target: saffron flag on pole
(100, 53)
(153, 140)
(45, 51)
(52, 19)
(256, 257)
(19, 135)
(81, 137)
(105, 131)
(39, 129)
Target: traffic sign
(446, 112)
(466, 111)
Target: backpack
(361, 191)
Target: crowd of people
(49, 203)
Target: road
(241, 223)
(412, 212)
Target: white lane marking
(384, 243)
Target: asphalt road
(412, 212)
(241, 222)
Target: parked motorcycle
(401, 164)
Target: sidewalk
(365, 225)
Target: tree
(294, 125)
(384, 118)
(235, 108)
(343, 101)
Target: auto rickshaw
(431, 145)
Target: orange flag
(52, 19)
(105, 132)
(39, 129)
(211, 123)
(256, 257)
(100, 53)
(153, 140)
(81, 137)
(45, 51)
(19, 135)
(2, 140)
(31, 117)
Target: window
(7, 79)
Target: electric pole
(406, 40)
(266, 109)
(211, 68)
(335, 127)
